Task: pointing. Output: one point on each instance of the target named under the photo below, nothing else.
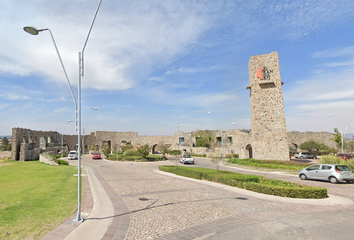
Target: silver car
(329, 172)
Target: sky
(159, 66)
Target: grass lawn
(35, 198)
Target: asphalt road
(165, 207)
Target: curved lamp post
(34, 31)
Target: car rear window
(342, 168)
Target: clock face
(264, 73)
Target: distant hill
(349, 136)
(7, 136)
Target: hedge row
(250, 182)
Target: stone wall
(295, 138)
(235, 141)
(46, 159)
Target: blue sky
(150, 64)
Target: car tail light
(338, 171)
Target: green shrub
(330, 159)
(175, 152)
(273, 164)
(62, 162)
(131, 152)
(198, 155)
(250, 182)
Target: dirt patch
(3, 159)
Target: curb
(332, 200)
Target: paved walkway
(134, 201)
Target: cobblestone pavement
(149, 205)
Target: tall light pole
(343, 135)
(34, 31)
(83, 135)
(62, 135)
(81, 74)
(179, 139)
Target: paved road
(150, 205)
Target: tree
(9, 146)
(127, 146)
(4, 144)
(106, 151)
(337, 138)
(143, 151)
(163, 148)
(204, 138)
(313, 147)
(203, 142)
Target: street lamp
(345, 131)
(34, 31)
(179, 139)
(62, 142)
(83, 134)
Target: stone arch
(66, 147)
(249, 152)
(154, 149)
(293, 147)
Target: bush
(274, 164)
(198, 155)
(249, 182)
(62, 162)
(330, 159)
(131, 152)
(175, 152)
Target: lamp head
(31, 30)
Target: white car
(72, 155)
(303, 155)
(187, 159)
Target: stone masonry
(269, 138)
(28, 144)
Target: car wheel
(301, 157)
(333, 179)
(349, 181)
(303, 177)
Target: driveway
(150, 205)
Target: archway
(154, 151)
(249, 151)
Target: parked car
(303, 155)
(187, 159)
(72, 155)
(344, 156)
(328, 172)
(96, 155)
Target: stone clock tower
(269, 137)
